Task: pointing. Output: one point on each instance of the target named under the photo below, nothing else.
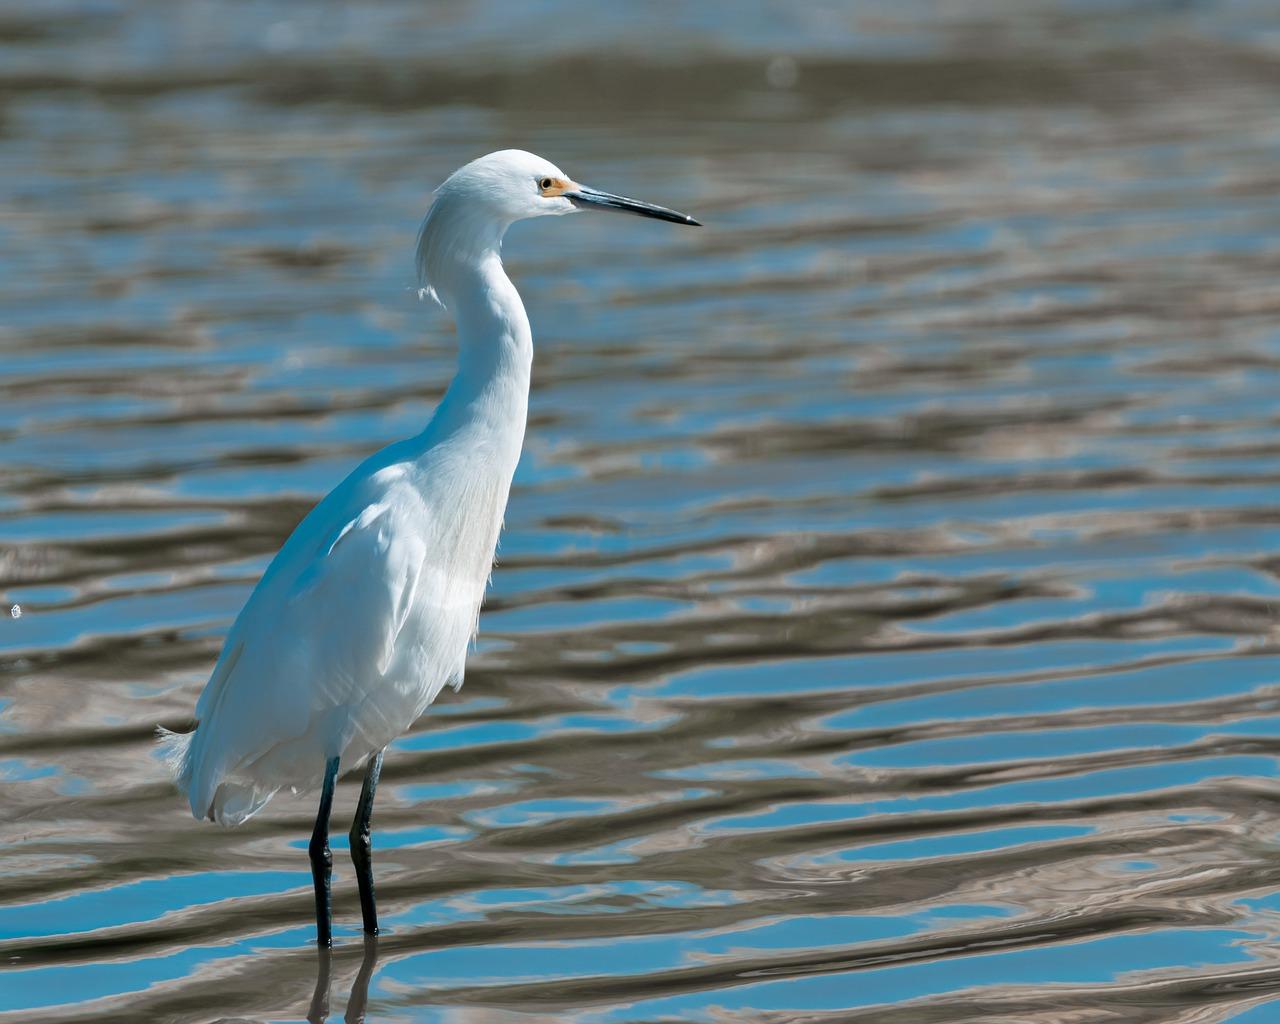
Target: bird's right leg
(321, 858)
(362, 846)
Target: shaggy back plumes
(176, 750)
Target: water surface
(883, 624)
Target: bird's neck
(494, 340)
(489, 395)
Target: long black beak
(584, 197)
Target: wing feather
(307, 642)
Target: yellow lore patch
(556, 186)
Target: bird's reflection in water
(319, 1012)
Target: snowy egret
(366, 612)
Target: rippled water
(883, 626)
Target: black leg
(362, 848)
(321, 858)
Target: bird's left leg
(321, 858)
(362, 846)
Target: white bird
(366, 612)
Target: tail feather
(231, 802)
(237, 802)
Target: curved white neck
(490, 392)
(494, 339)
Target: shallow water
(883, 626)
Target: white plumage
(367, 611)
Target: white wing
(312, 644)
(363, 587)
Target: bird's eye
(544, 184)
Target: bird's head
(478, 202)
